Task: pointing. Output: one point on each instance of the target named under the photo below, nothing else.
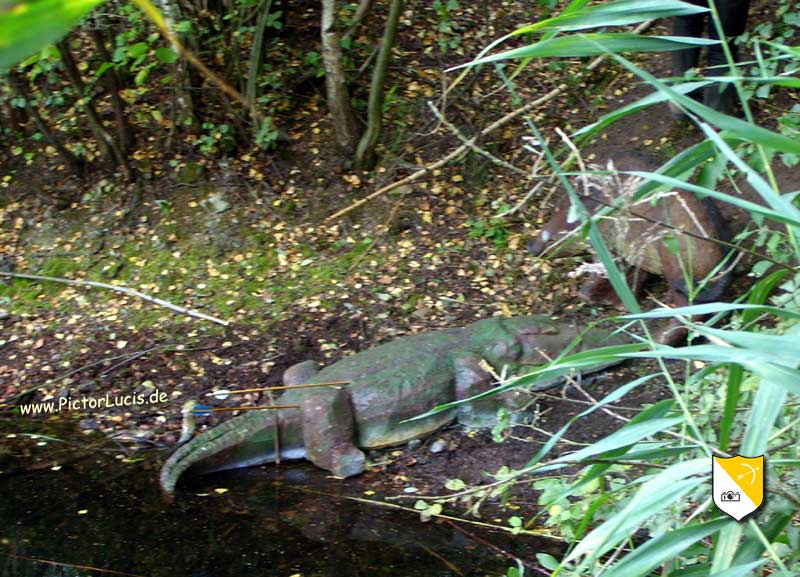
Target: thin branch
(82, 568)
(494, 547)
(225, 393)
(125, 290)
(129, 358)
(157, 18)
(458, 152)
(364, 8)
(252, 408)
(471, 143)
(387, 505)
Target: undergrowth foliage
(638, 500)
(641, 503)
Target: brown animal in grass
(637, 234)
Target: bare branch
(471, 143)
(458, 152)
(121, 289)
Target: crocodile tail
(239, 442)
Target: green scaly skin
(389, 384)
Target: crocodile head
(535, 340)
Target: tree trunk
(76, 164)
(257, 53)
(107, 143)
(183, 106)
(15, 119)
(344, 121)
(114, 85)
(365, 154)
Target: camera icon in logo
(729, 496)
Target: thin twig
(89, 568)
(277, 388)
(549, 180)
(604, 408)
(447, 563)
(366, 63)
(158, 19)
(363, 9)
(121, 289)
(494, 547)
(438, 516)
(458, 152)
(254, 408)
(386, 227)
(130, 358)
(471, 142)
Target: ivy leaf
(166, 55)
(141, 76)
(137, 50)
(103, 67)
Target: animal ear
(538, 330)
(505, 351)
(535, 339)
(500, 350)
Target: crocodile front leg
(327, 423)
(328, 432)
(472, 379)
(300, 373)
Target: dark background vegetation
(122, 163)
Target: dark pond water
(98, 512)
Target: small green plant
(267, 134)
(493, 229)
(101, 191)
(163, 206)
(571, 516)
(448, 38)
(215, 138)
(642, 503)
(137, 49)
(313, 60)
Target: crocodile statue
(388, 385)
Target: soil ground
(415, 263)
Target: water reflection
(98, 512)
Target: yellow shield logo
(738, 485)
